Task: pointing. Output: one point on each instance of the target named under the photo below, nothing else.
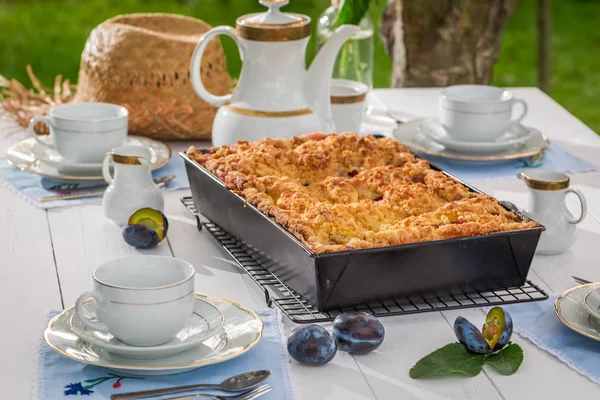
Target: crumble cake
(347, 191)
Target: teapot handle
(583, 205)
(216, 101)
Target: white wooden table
(46, 260)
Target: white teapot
(546, 205)
(275, 95)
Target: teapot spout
(318, 77)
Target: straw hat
(141, 61)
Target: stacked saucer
(429, 137)
(218, 330)
(32, 156)
(515, 138)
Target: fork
(580, 280)
(250, 395)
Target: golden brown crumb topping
(347, 191)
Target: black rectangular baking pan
(340, 279)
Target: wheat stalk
(21, 104)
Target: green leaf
(452, 359)
(352, 11)
(508, 360)
(94, 380)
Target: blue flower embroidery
(76, 389)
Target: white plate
(515, 137)
(204, 323)
(409, 134)
(28, 155)
(570, 311)
(241, 330)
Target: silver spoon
(234, 384)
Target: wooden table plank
(28, 284)
(195, 248)
(541, 375)
(83, 240)
(218, 275)
(408, 339)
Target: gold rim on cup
(350, 99)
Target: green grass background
(50, 34)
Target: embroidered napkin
(58, 377)
(537, 322)
(33, 186)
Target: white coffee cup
(141, 300)
(347, 104)
(84, 132)
(478, 113)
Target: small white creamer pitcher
(546, 205)
(132, 186)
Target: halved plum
(153, 219)
(494, 335)
(146, 228)
(498, 328)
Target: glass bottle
(355, 59)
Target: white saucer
(571, 311)
(241, 330)
(30, 156)
(204, 323)
(52, 158)
(515, 137)
(410, 135)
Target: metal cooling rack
(301, 311)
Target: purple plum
(311, 345)
(357, 332)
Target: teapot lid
(273, 25)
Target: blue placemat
(537, 322)
(33, 186)
(58, 377)
(555, 158)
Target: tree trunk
(544, 62)
(444, 42)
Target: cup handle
(106, 168)
(31, 131)
(583, 205)
(525, 109)
(84, 318)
